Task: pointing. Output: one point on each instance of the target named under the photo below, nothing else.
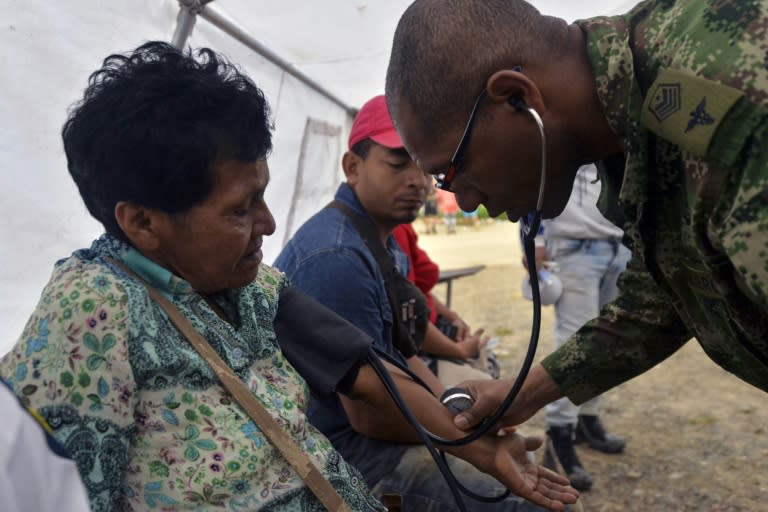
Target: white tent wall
(48, 50)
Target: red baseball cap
(373, 122)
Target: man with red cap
(329, 259)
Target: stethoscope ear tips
(518, 103)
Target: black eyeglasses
(444, 179)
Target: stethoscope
(459, 399)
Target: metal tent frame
(189, 10)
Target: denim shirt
(328, 260)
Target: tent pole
(217, 18)
(185, 21)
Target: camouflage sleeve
(743, 232)
(632, 334)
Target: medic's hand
(538, 390)
(488, 396)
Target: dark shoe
(562, 444)
(589, 430)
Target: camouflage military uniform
(685, 86)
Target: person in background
(449, 208)
(36, 473)
(169, 152)
(588, 258)
(329, 259)
(431, 215)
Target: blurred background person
(584, 250)
(431, 216)
(446, 203)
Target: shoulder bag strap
(368, 233)
(295, 456)
(405, 314)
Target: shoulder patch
(685, 109)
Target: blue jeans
(450, 221)
(418, 480)
(588, 270)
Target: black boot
(562, 442)
(590, 430)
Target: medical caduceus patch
(686, 109)
(699, 116)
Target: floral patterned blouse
(142, 414)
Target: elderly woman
(169, 152)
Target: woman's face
(216, 245)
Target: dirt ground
(697, 437)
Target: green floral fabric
(143, 415)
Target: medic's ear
(514, 88)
